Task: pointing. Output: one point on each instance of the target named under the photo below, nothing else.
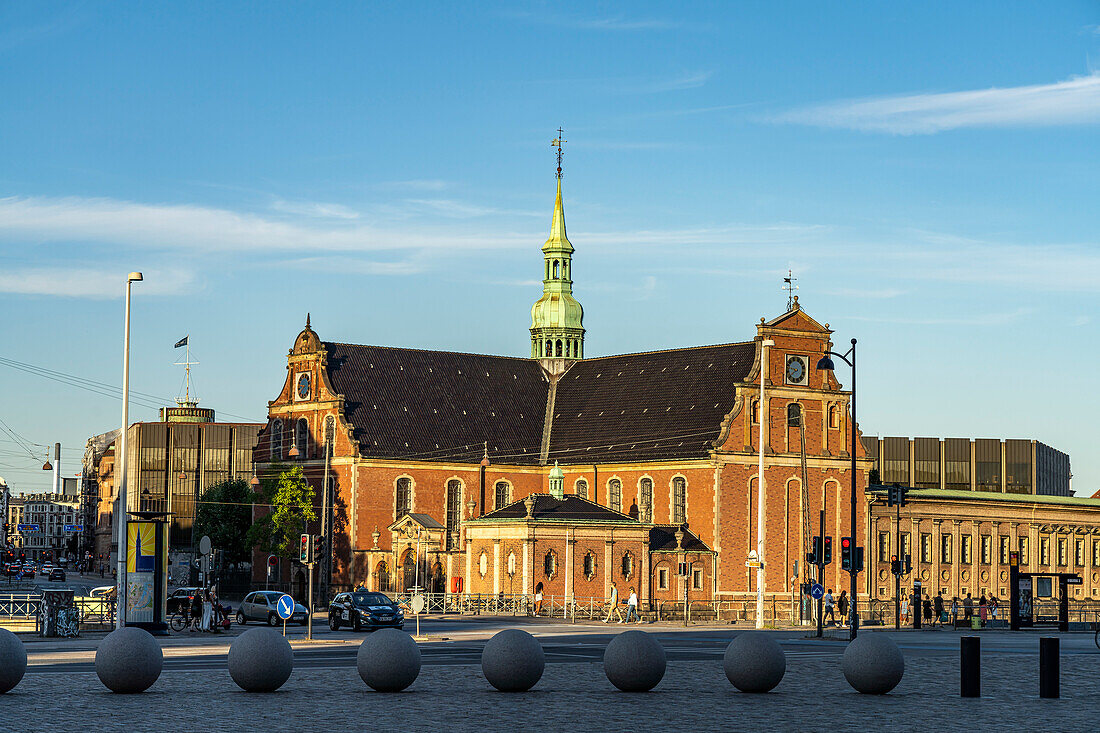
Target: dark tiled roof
(652, 406)
(663, 538)
(570, 507)
(439, 405)
(425, 520)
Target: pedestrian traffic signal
(846, 554)
(827, 557)
(304, 554)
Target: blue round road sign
(285, 607)
(817, 591)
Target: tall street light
(826, 364)
(762, 418)
(120, 593)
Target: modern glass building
(981, 464)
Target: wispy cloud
(315, 209)
(416, 184)
(463, 210)
(97, 282)
(1075, 101)
(356, 265)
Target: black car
(57, 574)
(180, 596)
(364, 610)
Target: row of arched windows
(794, 414)
(299, 439)
(557, 269)
(566, 348)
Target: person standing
(937, 606)
(828, 601)
(842, 607)
(196, 610)
(632, 607)
(538, 599)
(928, 611)
(904, 609)
(968, 609)
(992, 607)
(983, 609)
(954, 611)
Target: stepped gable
(658, 405)
(440, 405)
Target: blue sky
(928, 171)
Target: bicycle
(180, 620)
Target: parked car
(260, 606)
(364, 610)
(56, 574)
(180, 596)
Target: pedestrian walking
(983, 609)
(928, 611)
(954, 611)
(842, 607)
(613, 605)
(937, 606)
(968, 609)
(196, 611)
(828, 600)
(538, 599)
(632, 607)
(992, 607)
(904, 609)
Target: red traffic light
(845, 542)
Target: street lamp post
(120, 592)
(762, 417)
(826, 364)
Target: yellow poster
(141, 547)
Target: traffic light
(857, 559)
(815, 551)
(895, 495)
(318, 547)
(895, 565)
(828, 551)
(908, 564)
(304, 553)
(846, 554)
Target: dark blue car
(364, 610)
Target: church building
(566, 473)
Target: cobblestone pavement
(693, 695)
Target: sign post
(285, 608)
(417, 606)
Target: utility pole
(120, 518)
(821, 573)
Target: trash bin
(58, 613)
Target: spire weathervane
(790, 287)
(557, 143)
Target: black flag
(181, 342)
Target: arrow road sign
(285, 607)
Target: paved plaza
(61, 690)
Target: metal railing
(25, 611)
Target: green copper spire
(556, 317)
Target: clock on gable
(302, 386)
(795, 371)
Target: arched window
(330, 431)
(557, 351)
(555, 269)
(382, 578)
(754, 411)
(548, 269)
(277, 440)
(403, 500)
(615, 494)
(679, 500)
(453, 512)
(581, 488)
(834, 417)
(502, 494)
(549, 348)
(645, 500)
(628, 566)
(589, 565)
(511, 565)
(483, 564)
(301, 438)
(550, 564)
(794, 415)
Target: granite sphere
(754, 662)
(13, 660)
(512, 661)
(873, 663)
(634, 661)
(388, 660)
(128, 660)
(260, 660)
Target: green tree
(225, 515)
(290, 498)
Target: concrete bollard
(970, 666)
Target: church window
(615, 494)
(696, 579)
(628, 566)
(277, 440)
(550, 564)
(382, 576)
(549, 348)
(581, 488)
(567, 348)
(555, 269)
(754, 412)
(511, 564)
(403, 498)
(502, 494)
(589, 566)
(645, 500)
(558, 350)
(301, 438)
(483, 564)
(679, 500)
(834, 417)
(453, 511)
(794, 415)
(662, 578)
